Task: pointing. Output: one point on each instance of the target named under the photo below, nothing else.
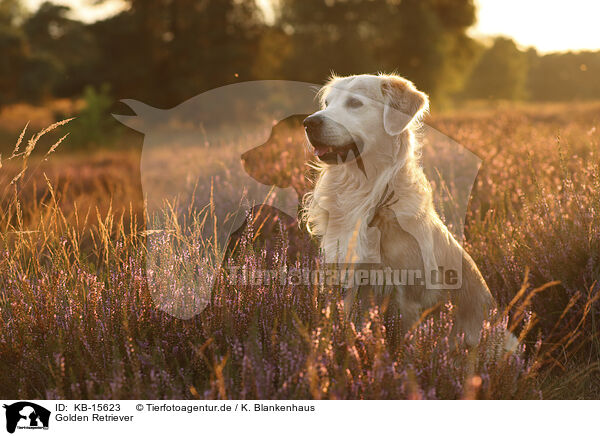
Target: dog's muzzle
(325, 152)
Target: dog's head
(363, 113)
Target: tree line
(165, 51)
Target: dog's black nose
(313, 123)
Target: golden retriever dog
(372, 203)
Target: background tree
(501, 73)
(13, 46)
(66, 48)
(565, 76)
(425, 40)
(174, 49)
(166, 51)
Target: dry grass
(77, 319)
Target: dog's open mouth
(336, 154)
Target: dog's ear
(403, 104)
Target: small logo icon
(26, 415)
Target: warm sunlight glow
(83, 10)
(547, 25)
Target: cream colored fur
(345, 211)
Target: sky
(547, 25)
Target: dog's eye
(353, 102)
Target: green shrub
(94, 126)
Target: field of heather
(79, 317)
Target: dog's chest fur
(346, 235)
